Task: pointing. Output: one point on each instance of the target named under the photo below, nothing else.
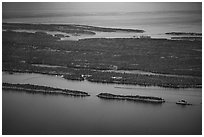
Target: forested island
(42, 89)
(184, 33)
(137, 98)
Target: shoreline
(75, 27)
(94, 29)
(73, 24)
(193, 33)
(108, 82)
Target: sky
(19, 9)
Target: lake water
(155, 24)
(25, 113)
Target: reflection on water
(25, 113)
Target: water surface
(25, 113)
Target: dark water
(25, 113)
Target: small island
(138, 98)
(42, 89)
(184, 33)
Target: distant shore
(67, 28)
(184, 33)
(76, 31)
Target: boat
(183, 102)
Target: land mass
(42, 89)
(184, 33)
(147, 99)
(88, 59)
(69, 28)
